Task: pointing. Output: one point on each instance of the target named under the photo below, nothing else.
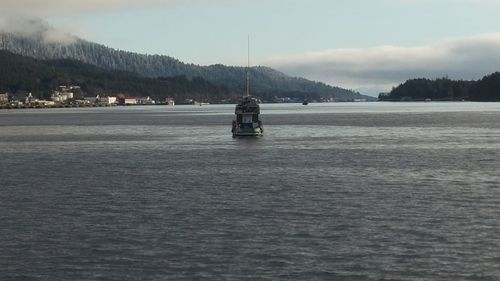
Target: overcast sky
(368, 45)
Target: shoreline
(10, 107)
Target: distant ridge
(21, 74)
(266, 81)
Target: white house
(107, 100)
(145, 100)
(61, 96)
(4, 98)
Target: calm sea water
(355, 191)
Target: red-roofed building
(125, 100)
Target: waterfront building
(61, 97)
(4, 98)
(44, 102)
(29, 99)
(107, 100)
(18, 97)
(145, 100)
(125, 100)
(169, 101)
(91, 100)
(64, 88)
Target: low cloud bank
(35, 27)
(43, 8)
(27, 17)
(380, 68)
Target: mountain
(266, 82)
(25, 74)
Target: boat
(247, 122)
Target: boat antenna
(248, 68)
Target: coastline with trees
(486, 89)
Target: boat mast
(248, 68)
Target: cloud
(382, 67)
(25, 17)
(27, 27)
(44, 8)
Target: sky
(365, 45)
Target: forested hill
(26, 74)
(486, 89)
(265, 81)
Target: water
(360, 191)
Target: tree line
(40, 77)
(445, 89)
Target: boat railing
(247, 109)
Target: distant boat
(201, 103)
(247, 122)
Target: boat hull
(256, 132)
